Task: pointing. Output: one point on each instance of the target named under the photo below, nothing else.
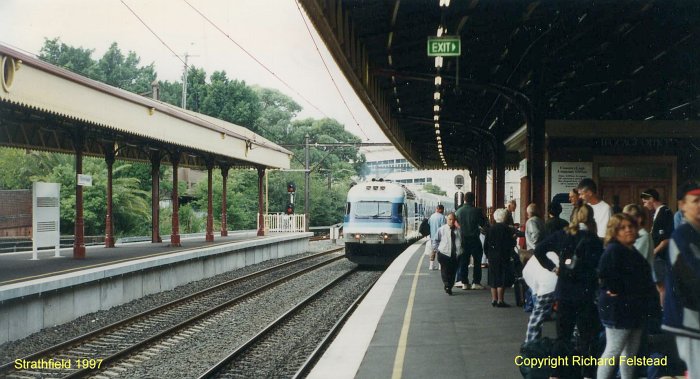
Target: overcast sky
(271, 30)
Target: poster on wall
(565, 176)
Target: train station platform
(18, 266)
(408, 327)
(35, 294)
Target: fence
(281, 223)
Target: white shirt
(601, 214)
(538, 278)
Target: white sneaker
(431, 267)
(465, 286)
(477, 286)
(458, 284)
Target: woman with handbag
(579, 250)
(626, 290)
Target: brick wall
(15, 212)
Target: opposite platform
(408, 327)
(18, 266)
(53, 291)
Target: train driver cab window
(347, 208)
(372, 209)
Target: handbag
(569, 259)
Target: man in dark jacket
(660, 234)
(682, 302)
(471, 221)
(553, 223)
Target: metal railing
(282, 223)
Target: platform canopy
(43, 107)
(610, 60)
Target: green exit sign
(444, 46)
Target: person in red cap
(682, 304)
(661, 230)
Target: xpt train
(382, 219)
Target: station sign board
(85, 180)
(446, 46)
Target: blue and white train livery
(381, 220)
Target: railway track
(258, 351)
(83, 355)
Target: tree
(432, 188)
(75, 59)
(123, 72)
(16, 169)
(230, 100)
(113, 68)
(276, 113)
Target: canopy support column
(175, 235)
(79, 234)
(224, 176)
(499, 172)
(210, 212)
(481, 185)
(261, 219)
(155, 197)
(109, 219)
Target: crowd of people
(601, 273)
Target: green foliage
(191, 221)
(75, 59)
(276, 114)
(268, 112)
(15, 169)
(130, 203)
(113, 68)
(432, 188)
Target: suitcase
(519, 288)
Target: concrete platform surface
(408, 327)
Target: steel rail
(326, 341)
(132, 349)
(273, 325)
(6, 368)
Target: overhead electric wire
(154, 33)
(327, 69)
(192, 114)
(255, 59)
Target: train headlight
(385, 236)
(357, 236)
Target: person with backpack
(579, 250)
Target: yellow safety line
(26, 278)
(401, 349)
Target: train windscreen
(372, 209)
